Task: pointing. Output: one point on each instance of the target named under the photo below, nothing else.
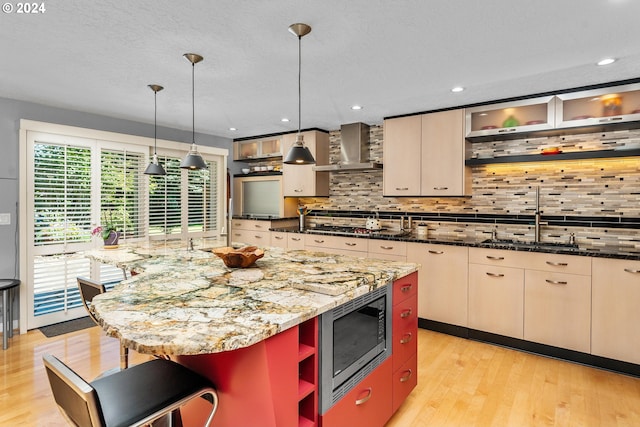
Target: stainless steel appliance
(355, 231)
(261, 197)
(355, 338)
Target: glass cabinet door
(511, 117)
(245, 150)
(257, 149)
(598, 106)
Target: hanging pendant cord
(155, 121)
(299, 85)
(193, 102)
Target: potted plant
(107, 231)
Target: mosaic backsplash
(608, 187)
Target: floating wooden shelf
(577, 155)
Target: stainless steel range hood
(354, 150)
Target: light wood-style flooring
(460, 383)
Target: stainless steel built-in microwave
(261, 197)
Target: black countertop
(604, 252)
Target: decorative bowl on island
(239, 258)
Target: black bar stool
(7, 286)
(134, 397)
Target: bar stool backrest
(88, 290)
(75, 397)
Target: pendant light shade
(155, 168)
(193, 160)
(299, 154)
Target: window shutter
(165, 200)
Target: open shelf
(578, 155)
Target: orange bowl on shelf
(551, 150)
(239, 258)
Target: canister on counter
(422, 229)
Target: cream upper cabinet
(442, 282)
(615, 315)
(402, 156)
(424, 155)
(302, 180)
(443, 172)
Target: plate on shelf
(535, 122)
(581, 117)
(488, 127)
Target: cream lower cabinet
(557, 309)
(251, 232)
(279, 239)
(615, 320)
(387, 249)
(295, 241)
(351, 246)
(557, 301)
(496, 291)
(442, 282)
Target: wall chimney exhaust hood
(354, 150)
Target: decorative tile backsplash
(606, 188)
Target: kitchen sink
(509, 244)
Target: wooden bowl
(239, 258)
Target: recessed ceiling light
(233, 129)
(457, 89)
(606, 61)
(356, 107)
(284, 119)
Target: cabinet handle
(629, 270)
(237, 234)
(495, 274)
(298, 191)
(436, 252)
(318, 241)
(402, 188)
(257, 237)
(405, 314)
(257, 225)
(350, 244)
(406, 376)
(406, 338)
(386, 248)
(405, 288)
(610, 119)
(295, 239)
(495, 258)
(556, 282)
(557, 264)
(507, 130)
(440, 188)
(278, 237)
(367, 397)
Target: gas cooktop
(354, 231)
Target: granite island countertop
(185, 302)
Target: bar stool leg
(5, 329)
(12, 297)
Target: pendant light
(193, 160)
(155, 168)
(299, 154)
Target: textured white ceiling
(392, 57)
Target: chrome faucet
(538, 216)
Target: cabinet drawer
(336, 242)
(405, 380)
(250, 224)
(405, 331)
(279, 239)
(570, 264)
(257, 238)
(405, 287)
(295, 241)
(387, 247)
(498, 257)
(366, 405)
